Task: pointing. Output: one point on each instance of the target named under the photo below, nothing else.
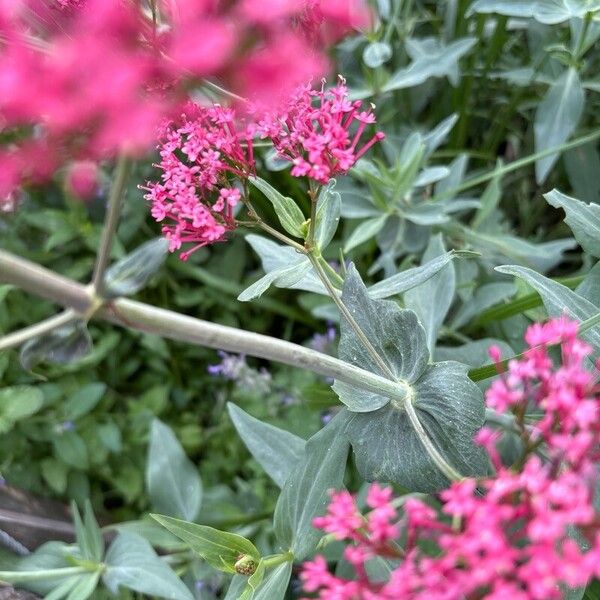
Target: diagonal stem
(17, 338)
(335, 296)
(111, 222)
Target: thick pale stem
(111, 222)
(171, 325)
(18, 338)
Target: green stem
(579, 52)
(13, 340)
(491, 370)
(25, 576)
(335, 296)
(278, 559)
(450, 472)
(111, 222)
(282, 237)
(332, 272)
(514, 166)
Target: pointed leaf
(305, 493)
(431, 300)
(559, 300)
(172, 479)
(277, 450)
(556, 118)
(582, 218)
(218, 548)
(276, 583)
(63, 346)
(131, 273)
(406, 280)
(367, 230)
(329, 208)
(288, 213)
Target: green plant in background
(437, 245)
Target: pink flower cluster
(200, 156)
(317, 139)
(507, 537)
(210, 147)
(85, 79)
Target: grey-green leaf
(582, 218)
(406, 280)
(172, 479)
(559, 300)
(450, 408)
(431, 300)
(277, 450)
(367, 230)
(556, 118)
(88, 534)
(395, 334)
(329, 208)
(430, 59)
(275, 584)
(305, 493)
(288, 212)
(132, 272)
(63, 346)
(275, 256)
(132, 563)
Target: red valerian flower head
(202, 156)
(320, 131)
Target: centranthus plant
(523, 533)
(395, 207)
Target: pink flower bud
(83, 179)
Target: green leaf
(88, 534)
(582, 165)
(132, 272)
(17, 403)
(288, 213)
(83, 401)
(367, 230)
(396, 335)
(509, 8)
(451, 410)
(305, 493)
(582, 218)
(63, 346)
(431, 300)
(284, 268)
(85, 586)
(329, 207)
(277, 451)
(71, 449)
(218, 548)
(589, 288)
(559, 300)
(132, 563)
(556, 118)
(406, 280)
(172, 480)
(253, 582)
(430, 59)
(275, 585)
